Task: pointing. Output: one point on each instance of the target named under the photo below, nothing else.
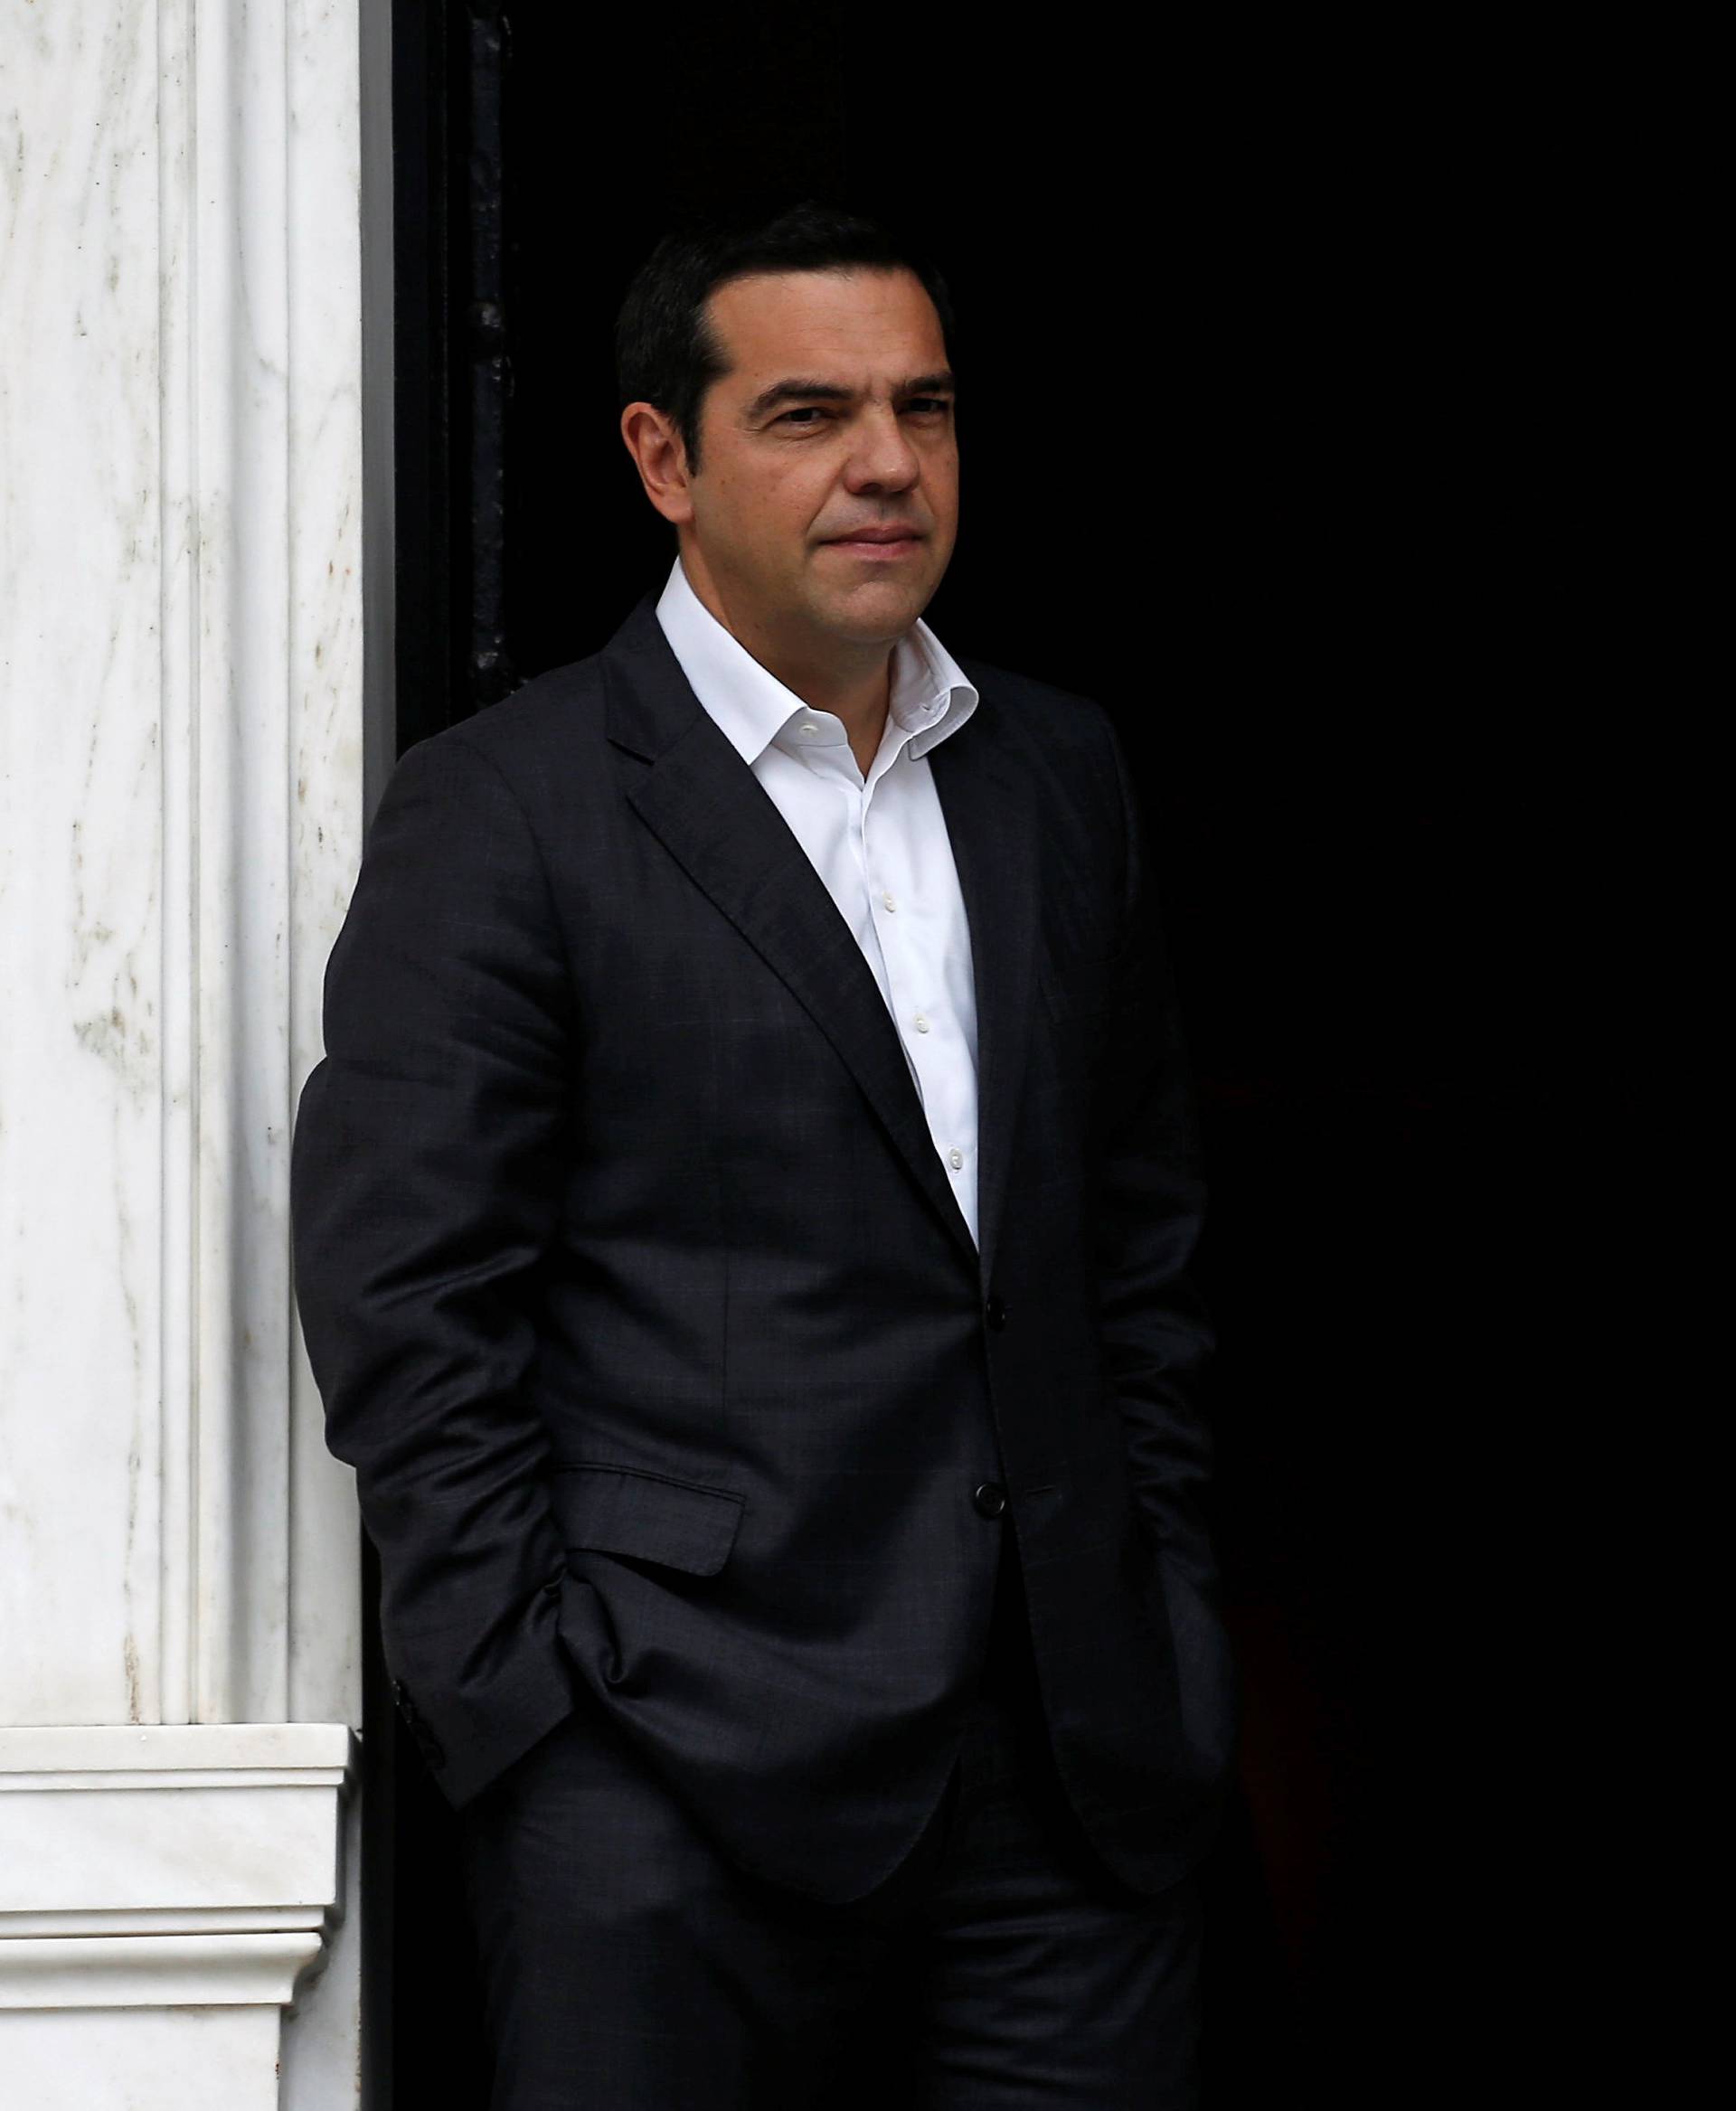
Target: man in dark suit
(741, 1228)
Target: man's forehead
(772, 322)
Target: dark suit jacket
(640, 1302)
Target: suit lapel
(990, 807)
(716, 820)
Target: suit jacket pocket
(627, 1510)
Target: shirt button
(921, 1023)
(888, 902)
(807, 726)
(958, 1157)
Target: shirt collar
(930, 696)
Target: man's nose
(882, 454)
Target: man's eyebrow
(922, 384)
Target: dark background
(1218, 443)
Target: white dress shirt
(880, 843)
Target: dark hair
(666, 352)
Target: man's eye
(917, 403)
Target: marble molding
(182, 737)
(142, 2060)
(168, 1866)
(152, 1876)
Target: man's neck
(859, 693)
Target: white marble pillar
(182, 734)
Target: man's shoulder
(562, 707)
(1043, 711)
(539, 735)
(1063, 736)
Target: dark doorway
(1198, 347)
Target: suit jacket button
(990, 1499)
(995, 1314)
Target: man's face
(782, 477)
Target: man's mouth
(879, 544)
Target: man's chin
(873, 605)
(883, 624)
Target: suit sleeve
(1157, 1335)
(425, 1188)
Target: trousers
(627, 1965)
